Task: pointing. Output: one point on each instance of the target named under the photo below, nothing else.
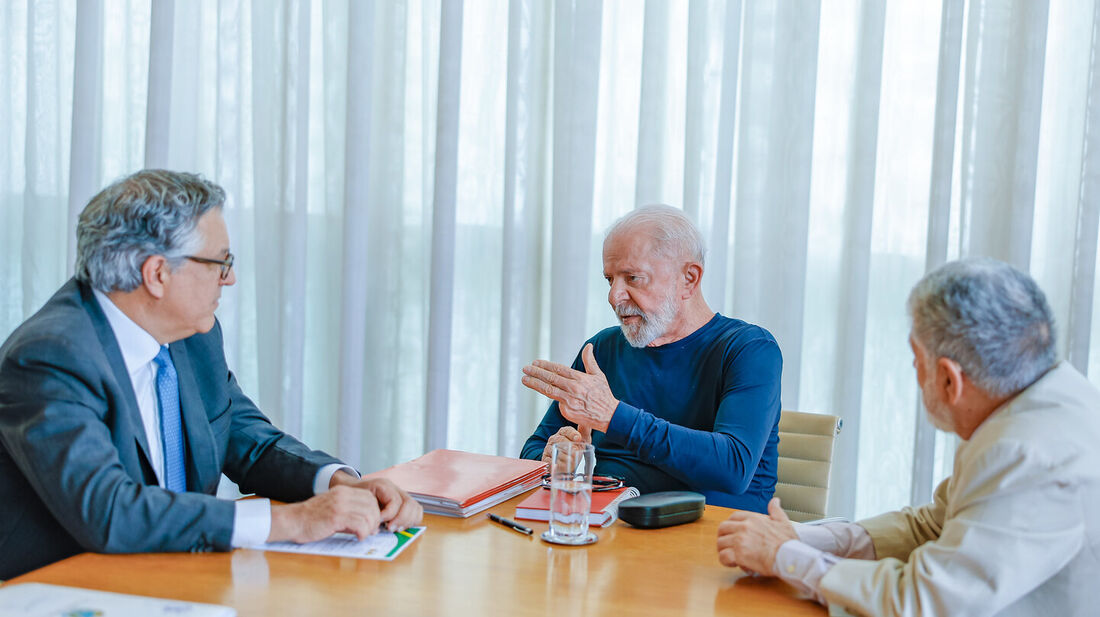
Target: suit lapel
(202, 464)
(128, 411)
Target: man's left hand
(583, 398)
(750, 540)
(398, 511)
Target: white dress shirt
(251, 517)
(803, 562)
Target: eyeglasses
(599, 483)
(226, 264)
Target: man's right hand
(750, 540)
(340, 509)
(566, 433)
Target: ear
(155, 274)
(693, 275)
(949, 379)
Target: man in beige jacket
(1016, 529)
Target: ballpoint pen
(511, 524)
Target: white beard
(651, 326)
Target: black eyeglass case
(663, 509)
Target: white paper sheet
(384, 545)
(42, 600)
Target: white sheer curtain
(418, 190)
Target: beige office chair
(805, 458)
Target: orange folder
(456, 483)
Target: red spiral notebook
(456, 483)
(605, 505)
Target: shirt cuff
(622, 422)
(251, 522)
(803, 566)
(324, 476)
(843, 539)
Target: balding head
(674, 236)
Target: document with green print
(384, 545)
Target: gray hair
(990, 318)
(151, 212)
(673, 233)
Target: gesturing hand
(749, 540)
(584, 399)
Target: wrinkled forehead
(633, 243)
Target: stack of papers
(41, 600)
(456, 483)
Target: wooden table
(459, 567)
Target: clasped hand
(351, 505)
(750, 540)
(584, 399)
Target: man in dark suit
(118, 413)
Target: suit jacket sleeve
(896, 534)
(258, 457)
(1004, 524)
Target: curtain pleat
(773, 175)
(1083, 295)
(159, 106)
(939, 212)
(524, 144)
(440, 309)
(85, 142)
(352, 347)
(1002, 100)
(296, 194)
(231, 168)
(701, 24)
(188, 87)
(717, 265)
(577, 30)
(1088, 219)
(44, 216)
(856, 252)
(653, 104)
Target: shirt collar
(138, 346)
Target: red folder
(456, 483)
(605, 505)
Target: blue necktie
(171, 426)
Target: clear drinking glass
(571, 467)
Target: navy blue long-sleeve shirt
(701, 413)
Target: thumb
(589, 359)
(775, 511)
(586, 433)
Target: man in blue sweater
(678, 397)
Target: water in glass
(570, 501)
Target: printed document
(384, 545)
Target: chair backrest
(805, 458)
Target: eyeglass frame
(599, 483)
(226, 264)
